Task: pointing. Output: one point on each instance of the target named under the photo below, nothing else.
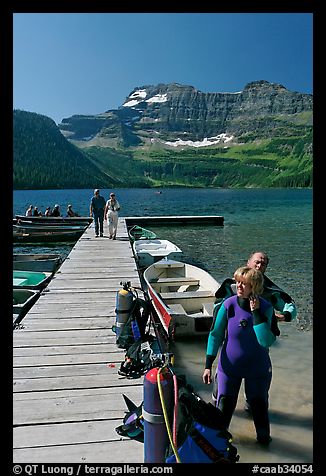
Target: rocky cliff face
(173, 114)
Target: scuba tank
(124, 304)
(156, 439)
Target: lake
(278, 221)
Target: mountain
(173, 135)
(178, 115)
(44, 159)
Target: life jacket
(201, 433)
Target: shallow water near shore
(278, 221)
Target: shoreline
(290, 398)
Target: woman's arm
(215, 339)
(262, 326)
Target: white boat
(148, 252)
(183, 296)
(37, 262)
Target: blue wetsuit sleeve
(216, 335)
(262, 327)
(287, 308)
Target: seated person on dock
(37, 213)
(48, 212)
(29, 211)
(56, 211)
(70, 212)
(283, 304)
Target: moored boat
(23, 300)
(46, 236)
(56, 220)
(30, 279)
(149, 251)
(26, 227)
(37, 262)
(183, 296)
(138, 233)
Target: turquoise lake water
(278, 221)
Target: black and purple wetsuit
(245, 337)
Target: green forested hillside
(278, 162)
(43, 158)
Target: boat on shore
(55, 220)
(37, 262)
(34, 280)
(149, 251)
(183, 296)
(138, 233)
(23, 300)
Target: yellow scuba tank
(124, 304)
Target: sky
(88, 63)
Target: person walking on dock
(96, 210)
(111, 214)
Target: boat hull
(30, 279)
(148, 252)
(37, 262)
(138, 233)
(183, 296)
(55, 220)
(23, 300)
(46, 237)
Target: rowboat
(183, 296)
(30, 279)
(56, 220)
(26, 227)
(148, 252)
(46, 236)
(23, 300)
(37, 262)
(138, 233)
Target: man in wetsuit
(283, 304)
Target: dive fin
(130, 405)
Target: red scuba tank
(156, 437)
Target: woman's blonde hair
(252, 276)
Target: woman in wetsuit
(243, 328)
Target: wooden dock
(67, 390)
(176, 220)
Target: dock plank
(67, 390)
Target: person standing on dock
(111, 214)
(96, 210)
